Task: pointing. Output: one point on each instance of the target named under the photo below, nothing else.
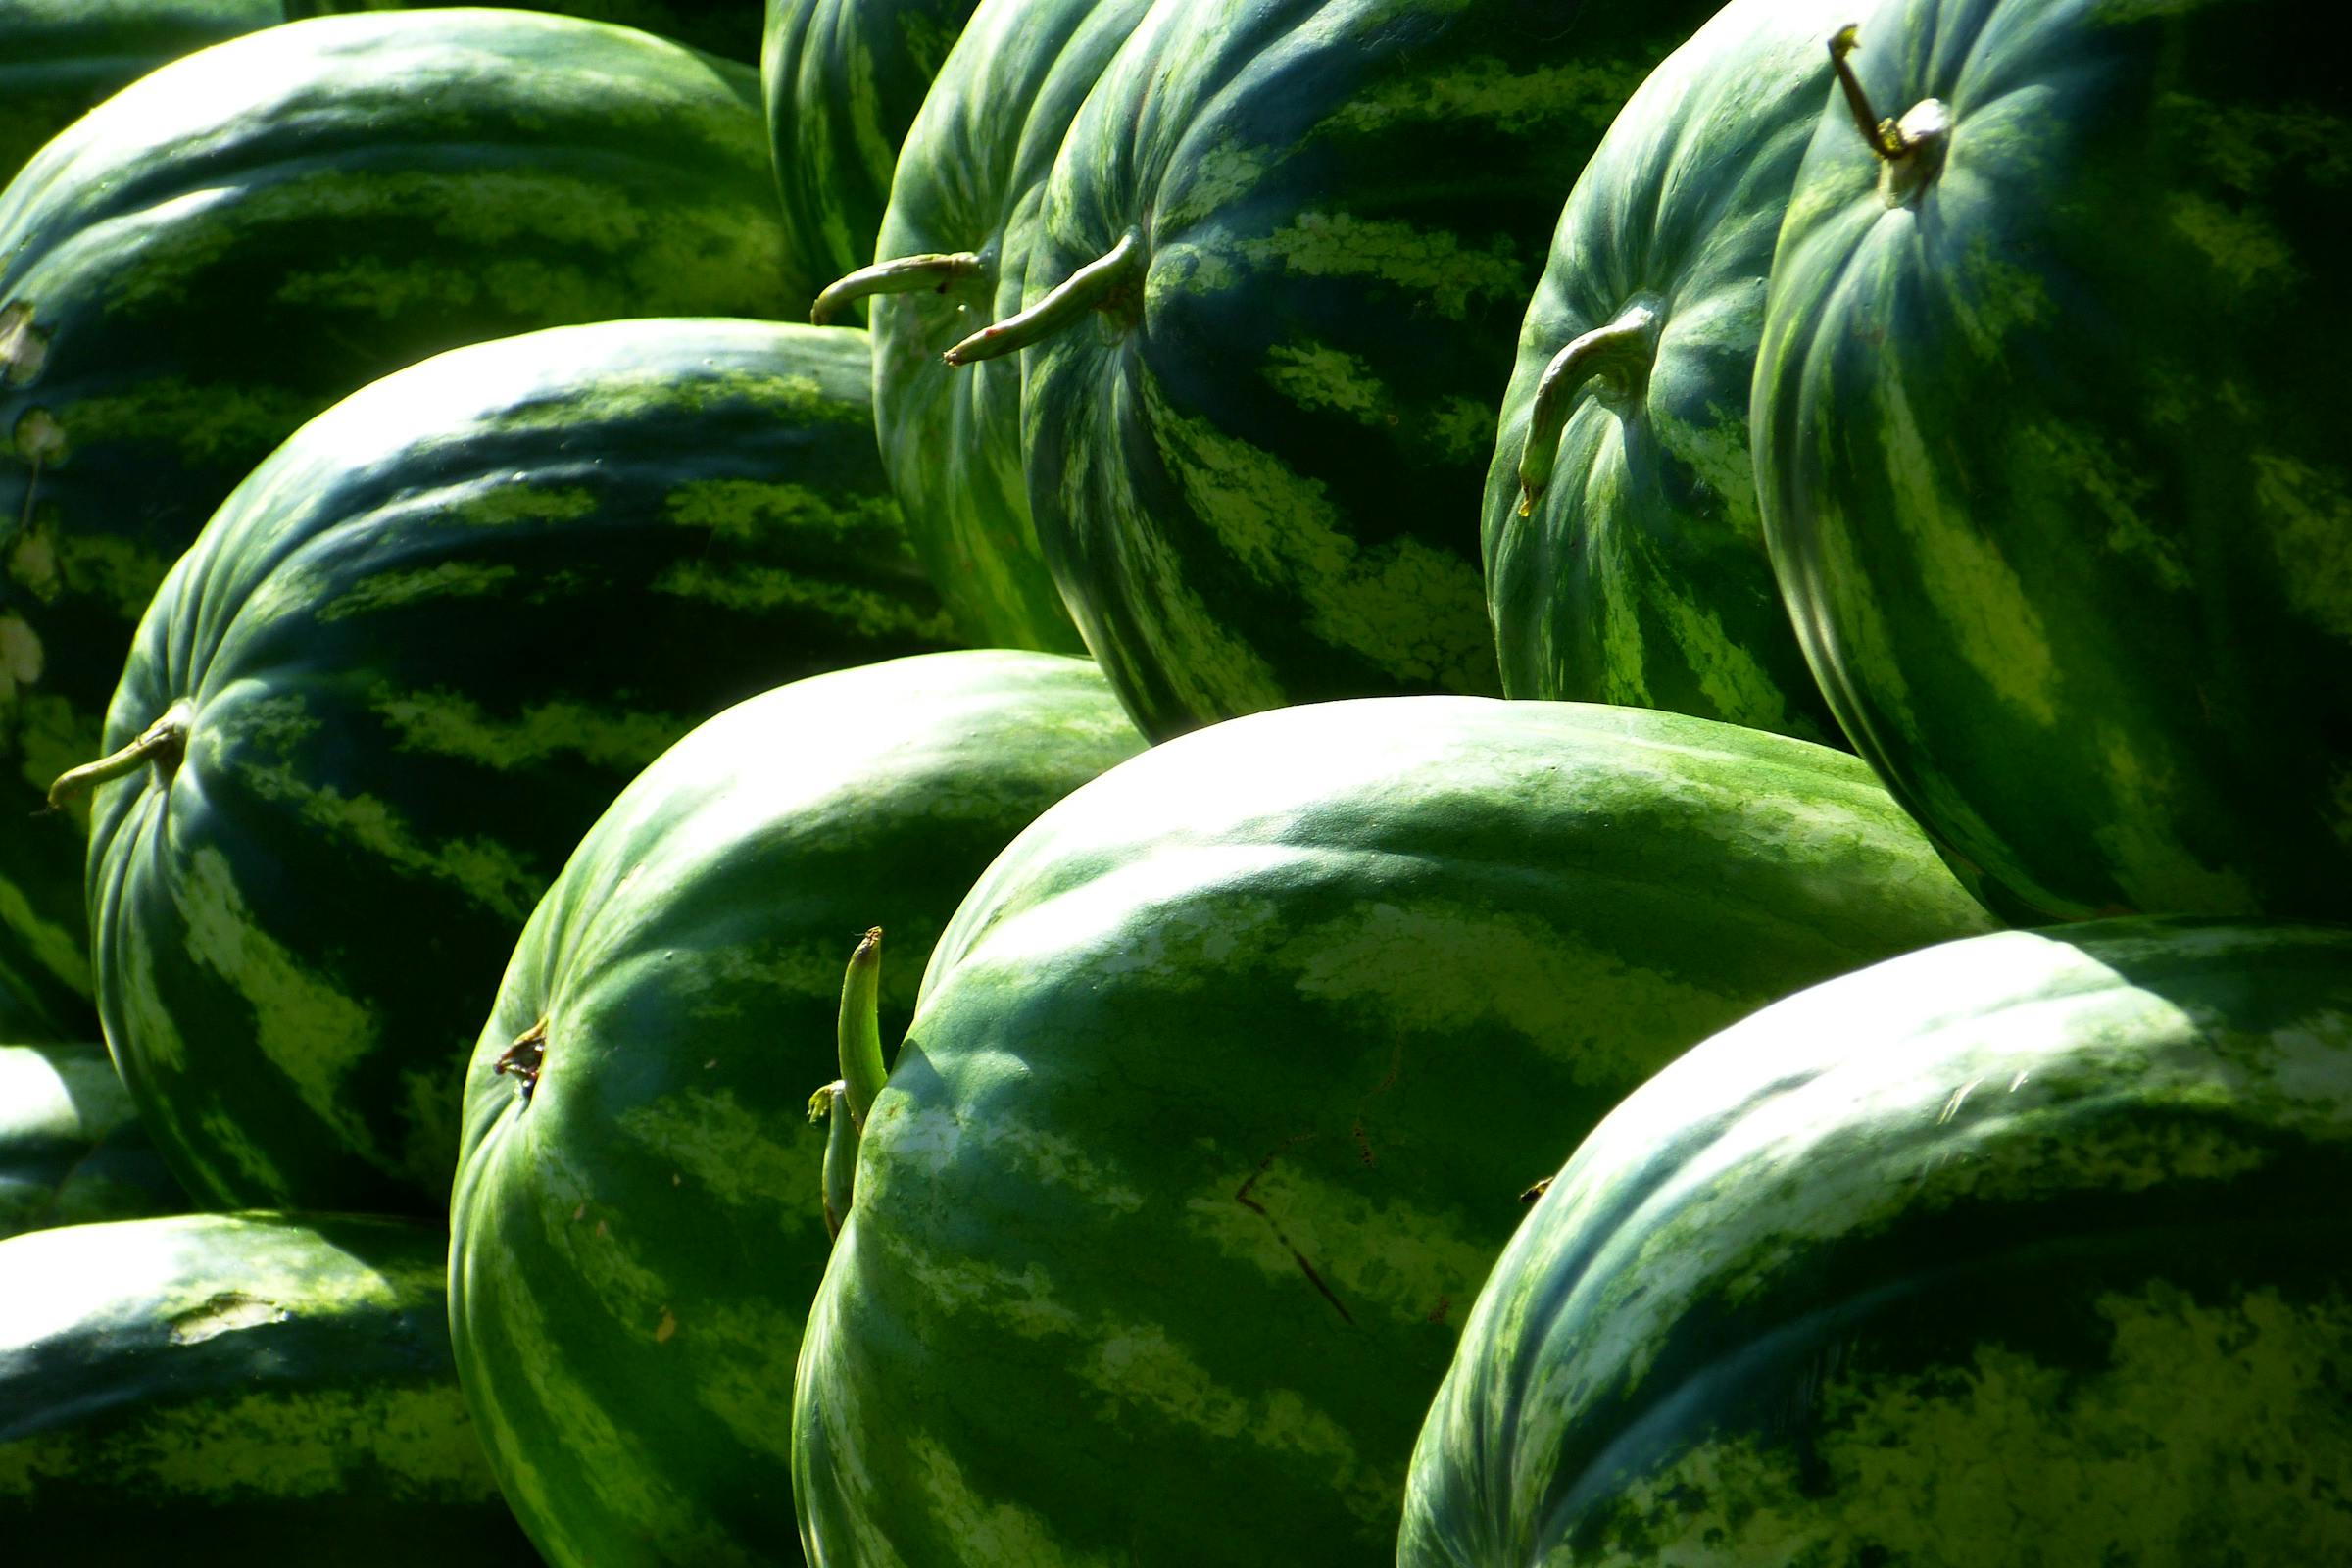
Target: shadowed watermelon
(242, 237)
(2050, 443)
(843, 80)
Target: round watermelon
(638, 1219)
(405, 667)
(1224, 1083)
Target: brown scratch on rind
(1436, 1313)
(1363, 1139)
(1240, 1196)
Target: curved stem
(1626, 343)
(860, 1028)
(902, 275)
(841, 1151)
(162, 742)
(1082, 291)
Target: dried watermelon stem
(1089, 288)
(163, 743)
(901, 275)
(1621, 350)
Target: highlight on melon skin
(2001, 1251)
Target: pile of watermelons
(1170, 782)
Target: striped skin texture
(1223, 1083)
(204, 1385)
(248, 234)
(58, 58)
(730, 28)
(2052, 465)
(424, 644)
(1255, 474)
(636, 1244)
(1641, 574)
(843, 80)
(2018, 1251)
(71, 1150)
(970, 179)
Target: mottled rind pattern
(726, 27)
(1639, 574)
(229, 1383)
(842, 81)
(242, 237)
(424, 644)
(637, 1239)
(2051, 466)
(1224, 1082)
(970, 179)
(1255, 474)
(2005, 1251)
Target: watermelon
(72, 1149)
(638, 1223)
(727, 28)
(1223, 1083)
(843, 80)
(405, 667)
(60, 58)
(1625, 558)
(208, 1386)
(244, 236)
(2046, 430)
(2009, 1252)
(1272, 292)
(961, 202)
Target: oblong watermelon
(215, 1386)
(406, 665)
(1625, 558)
(1255, 457)
(1223, 1083)
(72, 1149)
(244, 236)
(2010, 1251)
(2048, 440)
(638, 1224)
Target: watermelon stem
(901, 275)
(1621, 350)
(841, 1151)
(1909, 150)
(163, 743)
(1093, 286)
(861, 1070)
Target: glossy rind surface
(71, 1150)
(424, 644)
(218, 1386)
(636, 1241)
(1255, 471)
(970, 179)
(1639, 576)
(244, 236)
(2006, 1252)
(1223, 1085)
